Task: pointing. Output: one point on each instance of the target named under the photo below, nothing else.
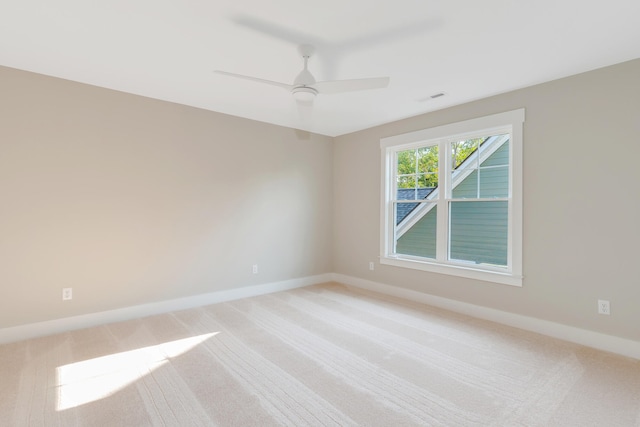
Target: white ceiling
(168, 49)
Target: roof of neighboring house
(404, 209)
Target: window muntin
(468, 224)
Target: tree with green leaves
(418, 168)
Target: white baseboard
(584, 337)
(50, 327)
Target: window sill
(504, 278)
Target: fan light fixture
(304, 94)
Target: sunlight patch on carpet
(94, 379)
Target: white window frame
(508, 122)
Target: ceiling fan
(305, 87)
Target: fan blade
(255, 79)
(337, 86)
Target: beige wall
(581, 221)
(130, 200)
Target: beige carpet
(322, 355)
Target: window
(452, 199)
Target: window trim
(511, 120)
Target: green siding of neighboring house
(420, 240)
(478, 230)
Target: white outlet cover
(604, 307)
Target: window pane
(406, 162)
(464, 160)
(478, 232)
(429, 180)
(465, 186)
(494, 170)
(416, 233)
(406, 187)
(488, 179)
(494, 182)
(416, 168)
(500, 156)
(427, 158)
(461, 151)
(403, 208)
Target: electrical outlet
(255, 269)
(604, 307)
(67, 294)
(371, 265)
